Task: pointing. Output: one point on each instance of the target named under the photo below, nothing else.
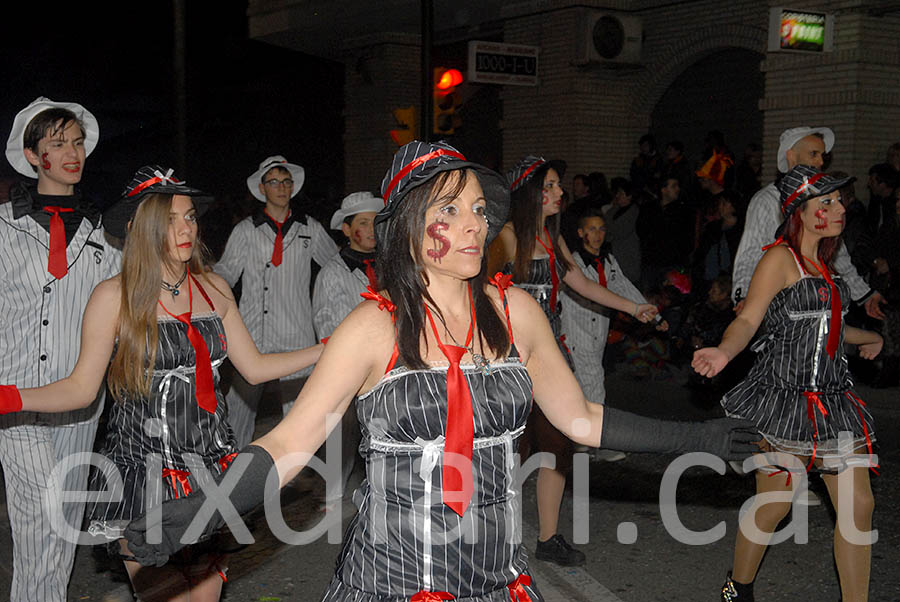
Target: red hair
(828, 247)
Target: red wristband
(10, 399)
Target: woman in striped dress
(799, 391)
(445, 365)
(530, 248)
(167, 301)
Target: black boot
(733, 591)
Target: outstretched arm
(600, 294)
(869, 342)
(98, 336)
(770, 277)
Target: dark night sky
(246, 99)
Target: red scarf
(554, 277)
(57, 264)
(206, 393)
(460, 430)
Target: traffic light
(408, 129)
(446, 100)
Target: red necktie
(554, 277)
(278, 249)
(206, 393)
(57, 264)
(370, 273)
(601, 273)
(460, 430)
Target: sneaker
(607, 455)
(733, 591)
(808, 498)
(558, 551)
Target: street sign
(498, 63)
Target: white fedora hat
(15, 146)
(357, 202)
(297, 175)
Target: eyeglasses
(275, 183)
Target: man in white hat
(271, 253)
(796, 146)
(337, 292)
(54, 253)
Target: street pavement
(632, 554)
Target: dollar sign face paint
(441, 243)
(823, 221)
(45, 163)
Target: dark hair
(49, 122)
(828, 247)
(678, 145)
(525, 213)
(402, 274)
(884, 173)
(582, 177)
(622, 184)
(589, 213)
(649, 139)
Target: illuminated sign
(806, 31)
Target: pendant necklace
(481, 363)
(173, 288)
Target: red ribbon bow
(517, 591)
(225, 461)
(206, 393)
(57, 264)
(858, 405)
(554, 276)
(426, 596)
(813, 403)
(178, 477)
(460, 430)
(383, 302)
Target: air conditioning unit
(610, 38)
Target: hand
(728, 438)
(176, 516)
(663, 326)
(873, 306)
(645, 312)
(709, 361)
(868, 351)
(880, 266)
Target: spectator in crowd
(677, 166)
(881, 253)
(600, 187)
(711, 178)
(720, 236)
(882, 182)
(893, 156)
(271, 252)
(621, 228)
(646, 167)
(667, 228)
(748, 173)
(338, 290)
(581, 187)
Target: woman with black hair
(798, 392)
(444, 366)
(530, 248)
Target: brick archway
(699, 43)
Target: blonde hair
(145, 252)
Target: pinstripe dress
(149, 440)
(539, 284)
(801, 398)
(404, 540)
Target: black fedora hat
(418, 162)
(802, 183)
(149, 179)
(527, 166)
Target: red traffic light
(448, 79)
